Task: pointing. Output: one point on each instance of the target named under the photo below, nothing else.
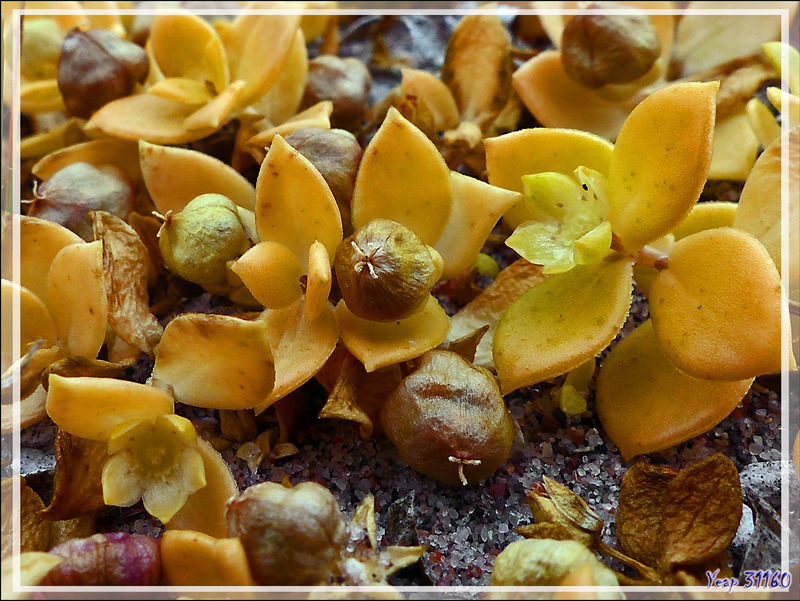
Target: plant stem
(647, 572)
(646, 257)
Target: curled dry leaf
(34, 531)
(126, 264)
(573, 507)
(343, 403)
(548, 530)
(641, 505)
(77, 488)
(467, 345)
(31, 367)
(106, 151)
(557, 505)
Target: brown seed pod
(448, 420)
(385, 272)
(343, 81)
(609, 49)
(70, 194)
(292, 536)
(97, 67)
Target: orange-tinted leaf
(191, 558)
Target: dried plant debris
(382, 258)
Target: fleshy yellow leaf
(37, 145)
(735, 148)
(106, 151)
(706, 216)
(646, 404)
(182, 89)
(717, 308)
(660, 161)
(77, 298)
(215, 361)
(436, 95)
(33, 567)
(476, 208)
(214, 114)
(556, 100)
(284, 97)
(318, 115)
(540, 150)
(318, 281)
(147, 117)
(774, 53)
(271, 273)
(300, 345)
(245, 48)
(40, 241)
(561, 323)
(379, 344)
(41, 97)
(763, 122)
(175, 176)
(35, 322)
(91, 408)
(186, 46)
(760, 208)
(191, 558)
(403, 177)
(205, 510)
(294, 205)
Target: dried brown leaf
(77, 489)
(551, 530)
(31, 367)
(573, 507)
(83, 366)
(545, 512)
(466, 346)
(147, 227)
(462, 289)
(342, 402)
(34, 531)
(237, 425)
(702, 509)
(80, 527)
(477, 67)
(641, 503)
(126, 263)
(287, 410)
(285, 449)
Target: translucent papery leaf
(318, 115)
(561, 323)
(318, 282)
(774, 53)
(556, 100)
(735, 148)
(245, 46)
(237, 365)
(31, 411)
(147, 117)
(475, 211)
(214, 114)
(186, 46)
(106, 151)
(271, 272)
(403, 177)
(183, 90)
(546, 243)
(40, 97)
(705, 41)
(35, 322)
(175, 176)
(126, 264)
(477, 67)
(77, 298)
(191, 558)
(540, 150)
(646, 404)
(294, 205)
(717, 308)
(436, 95)
(706, 216)
(91, 408)
(205, 510)
(379, 344)
(68, 133)
(301, 346)
(490, 304)
(760, 210)
(660, 162)
(284, 97)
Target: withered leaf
(126, 263)
(739, 80)
(462, 289)
(466, 346)
(237, 425)
(80, 527)
(31, 366)
(34, 531)
(77, 487)
(342, 402)
(641, 502)
(573, 507)
(551, 530)
(83, 366)
(147, 227)
(545, 511)
(702, 509)
(287, 411)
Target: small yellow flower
(155, 460)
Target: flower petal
(77, 298)
(91, 407)
(186, 46)
(556, 100)
(191, 558)
(147, 117)
(403, 177)
(107, 151)
(215, 361)
(735, 148)
(175, 176)
(271, 273)
(122, 481)
(476, 208)
(660, 162)
(163, 498)
(540, 150)
(380, 344)
(294, 204)
(646, 404)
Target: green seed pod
(197, 242)
(448, 420)
(385, 272)
(292, 536)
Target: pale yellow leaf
(105, 151)
(318, 282)
(182, 89)
(284, 97)
(430, 89)
(735, 148)
(272, 273)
